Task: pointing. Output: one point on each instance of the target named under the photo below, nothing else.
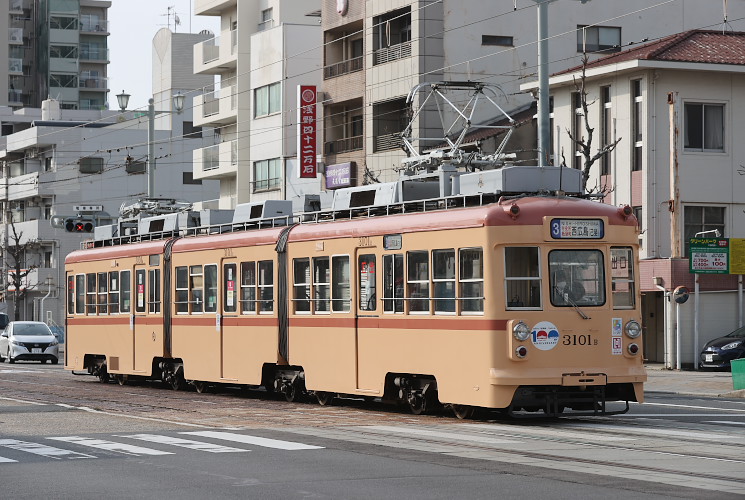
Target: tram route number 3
(578, 340)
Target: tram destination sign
(577, 229)
(709, 255)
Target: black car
(719, 352)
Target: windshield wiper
(571, 302)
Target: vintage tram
(507, 299)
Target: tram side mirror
(681, 294)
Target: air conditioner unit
(16, 68)
(14, 37)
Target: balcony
(344, 145)
(92, 25)
(387, 142)
(343, 68)
(214, 162)
(94, 53)
(212, 57)
(15, 97)
(33, 230)
(218, 106)
(23, 186)
(94, 83)
(392, 53)
(15, 66)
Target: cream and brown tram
(525, 304)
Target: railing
(94, 54)
(388, 141)
(14, 96)
(211, 50)
(388, 54)
(343, 67)
(211, 158)
(210, 104)
(344, 145)
(94, 82)
(92, 24)
(234, 152)
(233, 41)
(15, 65)
(266, 25)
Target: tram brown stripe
(401, 323)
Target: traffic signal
(78, 225)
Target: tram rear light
(521, 351)
(514, 211)
(625, 211)
(521, 331)
(633, 329)
(633, 348)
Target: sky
(133, 24)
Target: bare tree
(584, 143)
(15, 256)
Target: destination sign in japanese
(578, 229)
(709, 255)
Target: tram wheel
(200, 386)
(417, 405)
(121, 379)
(463, 412)
(177, 382)
(291, 393)
(324, 398)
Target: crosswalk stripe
(111, 446)
(728, 422)
(185, 443)
(4, 460)
(43, 450)
(258, 441)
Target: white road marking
(4, 460)
(111, 446)
(24, 401)
(258, 441)
(671, 415)
(689, 406)
(184, 443)
(642, 431)
(439, 434)
(723, 422)
(43, 450)
(16, 370)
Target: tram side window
(70, 294)
(301, 285)
(443, 280)
(125, 297)
(368, 274)
(522, 274)
(90, 293)
(577, 278)
(228, 291)
(80, 294)
(140, 290)
(321, 284)
(103, 293)
(196, 293)
(340, 286)
(471, 280)
(210, 288)
(182, 290)
(114, 292)
(153, 299)
(266, 286)
(418, 281)
(248, 287)
(622, 277)
(393, 283)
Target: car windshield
(31, 329)
(738, 334)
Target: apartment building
(264, 50)
(55, 48)
(676, 106)
(375, 52)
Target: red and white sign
(306, 131)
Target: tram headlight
(521, 331)
(633, 329)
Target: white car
(28, 340)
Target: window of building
(471, 280)
(248, 287)
(392, 36)
(638, 213)
(637, 132)
(504, 41)
(704, 127)
(698, 219)
(62, 80)
(443, 280)
(522, 272)
(267, 19)
(187, 178)
(417, 288)
(622, 277)
(367, 283)
(578, 128)
(267, 174)
(267, 99)
(393, 283)
(63, 51)
(91, 165)
(389, 120)
(47, 259)
(598, 39)
(606, 129)
(63, 23)
(190, 131)
(576, 278)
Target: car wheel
(43, 361)
(55, 361)
(10, 358)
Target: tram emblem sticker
(545, 335)
(616, 335)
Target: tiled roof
(695, 46)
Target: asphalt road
(63, 436)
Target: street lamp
(178, 104)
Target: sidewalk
(699, 383)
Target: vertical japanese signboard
(737, 255)
(709, 255)
(306, 134)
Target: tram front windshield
(577, 278)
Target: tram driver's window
(522, 274)
(622, 277)
(577, 278)
(368, 273)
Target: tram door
(366, 306)
(227, 322)
(142, 331)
